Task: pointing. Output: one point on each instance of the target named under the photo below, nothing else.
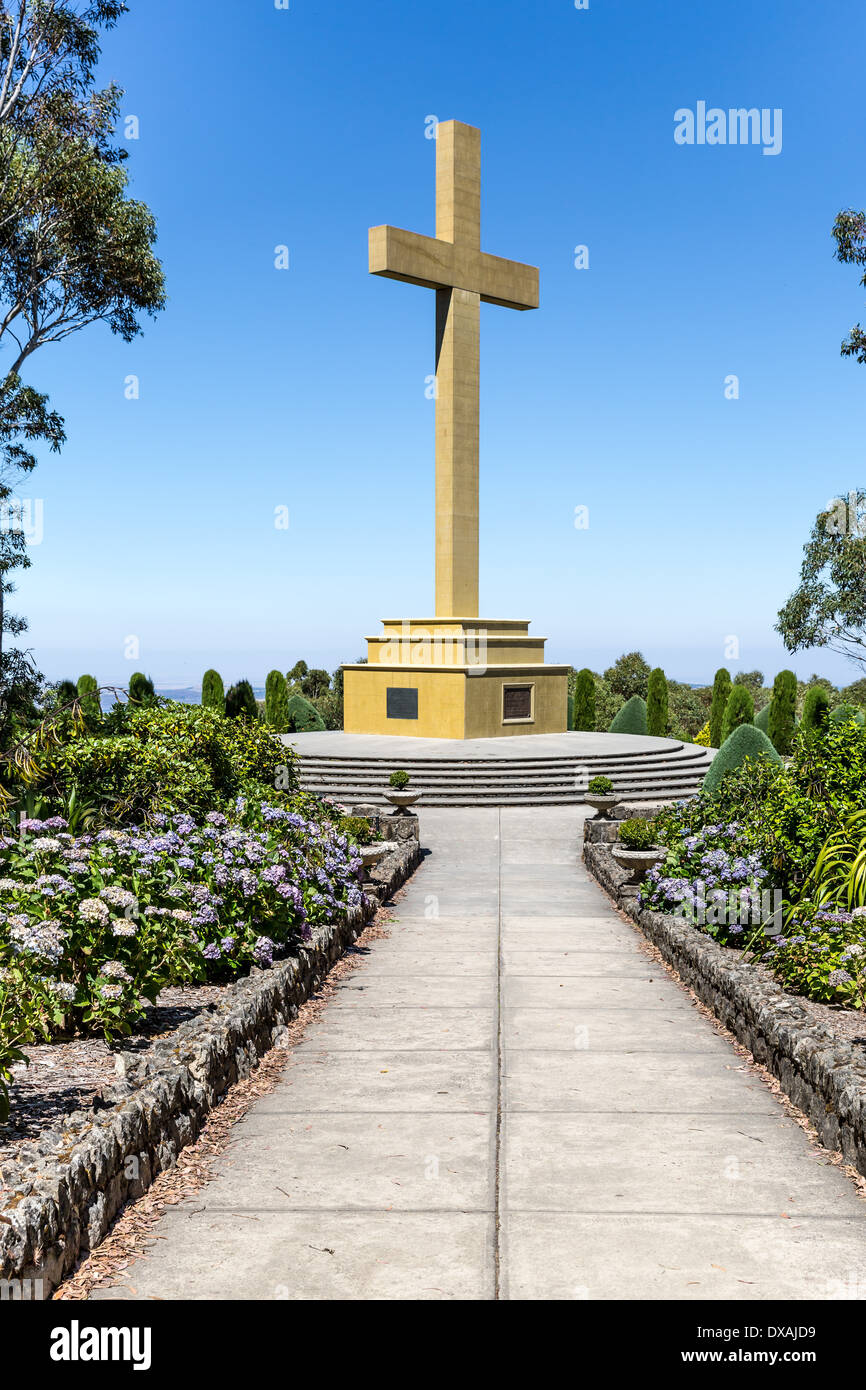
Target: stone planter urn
(603, 805)
(372, 854)
(637, 861)
(401, 800)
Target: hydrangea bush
(822, 955)
(710, 878)
(90, 925)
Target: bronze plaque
(401, 703)
(517, 702)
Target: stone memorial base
(458, 678)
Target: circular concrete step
(542, 769)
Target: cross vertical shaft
(458, 335)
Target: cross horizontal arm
(440, 265)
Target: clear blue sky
(305, 388)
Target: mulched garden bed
(67, 1076)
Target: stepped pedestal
(459, 678)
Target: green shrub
(584, 701)
(637, 833)
(213, 694)
(721, 693)
(87, 688)
(65, 692)
(168, 757)
(744, 742)
(783, 712)
(657, 704)
(399, 779)
(762, 719)
(276, 702)
(816, 709)
(241, 703)
(140, 688)
(356, 829)
(739, 710)
(600, 786)
(631, 719)
(847, 714)
(303, 716)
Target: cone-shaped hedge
(783, 712)
(584, 700)
(816, 709)
(140, 688)
(241, 703)
(721, 692)
(762, 719)
(745, 742)
(740, 709)
(87, 689)
(213, 695)
(631, 719)
(303, 716)
(657, 704)
(277, 702)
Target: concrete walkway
(509, 1099)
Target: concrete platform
(533, 769)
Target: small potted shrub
(399, 795)
(600, 795)
(637, 850)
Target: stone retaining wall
(824, 1076)
(63, 1191)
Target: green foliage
(816, 709)
(303, 716)
(745, 741)
(356, 829)
(315, 683)
(60, 694)
(297, 673)
(823, 956)
(87, 688)
(828, 608)
(657, 704)
(637, 833)
(783, 712)
(140, 688)
(855, 693)
(839, 875)
(762, 720)
(399, 779)
(849, 233)
(739, 710)
(689, 710)
(753, 680)
(600, 786)
(170, 757)
(213, 692)
(721, 694)
(631, 719)
(276, 702)
(241, 703)
(628, 676)
(847, 714)
(584, 701)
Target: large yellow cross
(453, 264)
